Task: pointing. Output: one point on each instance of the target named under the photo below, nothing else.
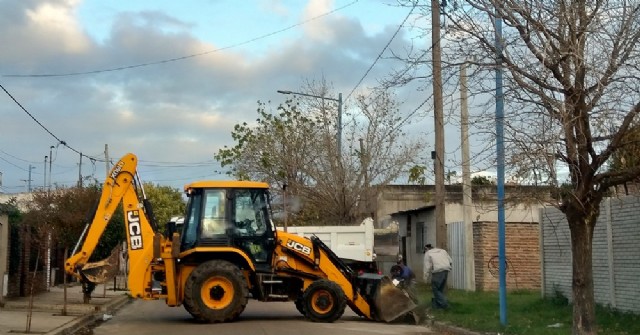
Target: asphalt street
(273, 318)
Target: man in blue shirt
(402, 272)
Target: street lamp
(339, 100)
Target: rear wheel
(215, 292)
(323, 301)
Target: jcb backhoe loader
(227, 252)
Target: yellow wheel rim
(217, 292)
(322, 301)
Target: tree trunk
(582, 222)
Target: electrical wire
(169, 60)
(40, 124)
(383, 50)
(30, 115)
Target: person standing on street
(437, 264)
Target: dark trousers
(438, 283)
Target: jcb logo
(299, 247)
(116, 169)
(134, 230)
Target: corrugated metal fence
(616, 254)
(456, 238)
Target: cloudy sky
(168, 80)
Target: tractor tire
(324, 301)
(300, 304)
(215, 292)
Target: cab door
(252, 229)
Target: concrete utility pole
(44, 185)
(80, 172)
(467, 196)
(50, 161)
(29, 180)
(106, 158)
(441, 224)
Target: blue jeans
(438, 283)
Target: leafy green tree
(481, 180)
(278, 149)
(297, 147)
(165, 201)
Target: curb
(88, 320)
(453, 330)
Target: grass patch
(527, 313)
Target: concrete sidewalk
(45, 315)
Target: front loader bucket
(101, 271)
(391, 302)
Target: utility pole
(339, 130)
(44, 185)
(467, 196)
(441, 225)
(106, 158)
(31, 167)
(50, 161)
(80, 172)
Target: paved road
(273, 318)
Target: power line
(18, 158)
(30, 115)
(169, 60)
(41, 125)
(383, 50)
(8, 162)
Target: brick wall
(16, 284)
(522, 245)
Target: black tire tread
(192, 299)
(340, 301)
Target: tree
(297, 147)
(481, 180)
(63, 214)
(629, 155)
(166, 202)
(571, 98)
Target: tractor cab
(230, 214)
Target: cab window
(214, 218)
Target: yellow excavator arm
(119, 187)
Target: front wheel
(324, 301)
(215, 292)
(300, 304)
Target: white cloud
(57, 20)
(319, 30)
(181, 111)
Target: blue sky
(175, 115)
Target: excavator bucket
(101, 271)
(392, 302)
